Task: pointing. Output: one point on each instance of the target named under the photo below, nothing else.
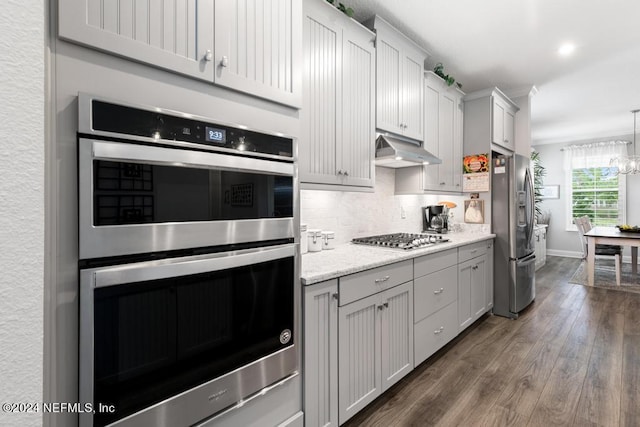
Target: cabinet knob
(208, 55)
(475, 267)
(443, 183)
(340, 172)
(438, 291)
(506, 140)
(346, 173)
(386, 304)
(380, 307)
(335, 295)
(225, 61)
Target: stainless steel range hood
(394, 152)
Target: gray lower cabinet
(375, 339)
(320, 357)
(472, 283)
(365, 331)
(434, 300)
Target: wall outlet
(403, 213)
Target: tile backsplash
(356, 214)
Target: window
(594, 188)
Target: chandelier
(628, 165)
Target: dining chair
(583, 224)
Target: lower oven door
(175, 341)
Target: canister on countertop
(315, 240)
(304, 239)
(328, 240)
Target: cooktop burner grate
(401, 240)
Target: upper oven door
(136, 198)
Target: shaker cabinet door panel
(397, 334)
(359, 355)
(412, 98)
(358, 108)
(389, 87)
(175, 35)
(322, 111)
(258, 48)
(321, 354)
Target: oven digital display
(216, 135)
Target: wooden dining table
(610, 236)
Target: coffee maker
(435, 219)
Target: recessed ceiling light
(566, 49)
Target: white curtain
(595, 155)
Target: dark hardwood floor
(571, 358)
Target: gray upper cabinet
(258, 48)
(251, 46)
(338, 126)
(489, 122)
(399, 85)
(175, 34)
(443, 130)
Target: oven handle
(176, 267)
(118, 151)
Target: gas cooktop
(401, 240)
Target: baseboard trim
(566, 254)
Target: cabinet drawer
(473, 250)
(434, 291)
(434, 332)
(434, 262)
(359, 285)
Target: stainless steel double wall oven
(188, 264)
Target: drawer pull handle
(386, 304)
(439, 331)
(438, 291)
(473, 251)
(475, 267)
(384, 279)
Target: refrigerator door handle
(526, 260)
(531, 199)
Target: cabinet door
(448, 106)
(458, 142)
(489, 274)
(321, 354)
(465, 315)
(497, 132)
(358, 108)
(388, 87)
(321, 115)
(360, 379)
(397, 334)
(412, 93)
(258, 48)
(509, 129)
(173, 34)
(478, 286)
(431, 130)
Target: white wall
(559, 240)
(352, 214)
(21, 206)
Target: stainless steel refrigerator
(512, 220)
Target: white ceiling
(513, 44)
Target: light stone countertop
(351, 258)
